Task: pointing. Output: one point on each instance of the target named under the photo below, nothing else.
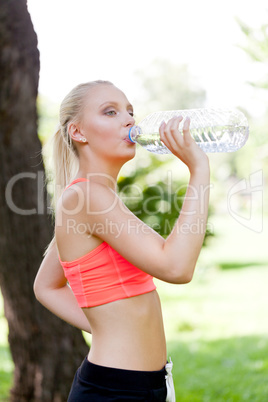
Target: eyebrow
(115, 104)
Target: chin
(128, 157)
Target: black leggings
(97, 383)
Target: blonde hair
(65, 160)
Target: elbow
(37, 289)
(180, 276)
(187, 278)
(182, 279)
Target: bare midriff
(128, 333)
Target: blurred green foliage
(47, 117)
(155, 203)
(256, 47)
(154, 193)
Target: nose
(129, 120)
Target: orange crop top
(103, 276)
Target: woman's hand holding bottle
(182, 145)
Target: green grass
(233, 369)
(216, 326)
(6, 363)
(6, 368)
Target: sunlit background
(184, 54)
(84, 40)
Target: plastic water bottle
(214, 130)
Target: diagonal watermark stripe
(252, 217)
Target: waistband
(116, 378)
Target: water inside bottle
(209, 139)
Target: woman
(108, 255)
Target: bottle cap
(129, 135)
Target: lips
(128, 141)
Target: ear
(75, 133)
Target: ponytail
(65, 163)
(65, 160)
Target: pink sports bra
(103, 276)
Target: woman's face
(106, 121)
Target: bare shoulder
(90, 196)
(101, 198)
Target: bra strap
(80, 179)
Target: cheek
(100, 133)
(95, 130)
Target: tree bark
(46, 351)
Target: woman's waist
(128, 333)
(128, 353)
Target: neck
(102, 172)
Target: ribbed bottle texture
(214, 130)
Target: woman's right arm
(173, 259)
(51, 290)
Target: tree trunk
(46, 351)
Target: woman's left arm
(51, 290)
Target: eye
(110, 113)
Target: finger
(163, 134)
(174, 122)
(162, 131)
(172, 131)
(186, 130)
(162, 127)
(186, 124)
